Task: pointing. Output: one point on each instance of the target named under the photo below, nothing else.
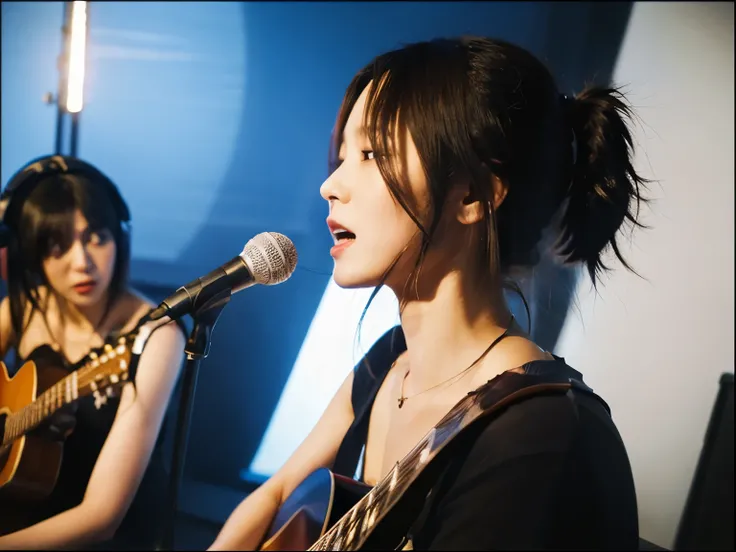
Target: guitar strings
(380, 492)
(21, 421)
(405, 468)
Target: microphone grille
(271, 257)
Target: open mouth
(341, 235)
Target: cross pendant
(401, 401)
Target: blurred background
(214, 118)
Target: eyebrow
(360, 132)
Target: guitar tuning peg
(93, 355)
(107, 347)
(120, 349)
(114, 378)
(109, 391)
(99, 399)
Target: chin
(354, 279)
(85, 301)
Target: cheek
(55, 270)
(396, 234)
(105, 259)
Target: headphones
(22, 183)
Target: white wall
(655, 348)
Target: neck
(88, 317)
(448, 328)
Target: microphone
(269, 259)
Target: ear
(471, 207)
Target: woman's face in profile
(377, 228)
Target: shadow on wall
(308, 62)
(300, 59)
(582, 46)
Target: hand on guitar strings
(61, 424)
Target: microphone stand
(197, 348)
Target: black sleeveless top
(368, 377)
(548, 472)
(81, 450)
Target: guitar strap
(544, 374)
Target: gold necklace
(402, 398)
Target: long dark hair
(46, 220)
(478, 108)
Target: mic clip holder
(205, 315)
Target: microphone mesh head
(271, 258)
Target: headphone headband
(23, 181)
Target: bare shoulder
(163, 351)
(131, 308)
(511, 354)
(4, 310)
(6, 328)
(30, 317)
(134, 305)
(138, 300)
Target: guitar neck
(352, 530)
(101, 369)
(64, 392)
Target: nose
(80, 257)
(333, 189)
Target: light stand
(69, 99)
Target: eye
(368, 155)
(100, 237)
(55, 250)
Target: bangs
(55, 229)
(412, 92)
(44, 221)
(381, 115)
(49, 213)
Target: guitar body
(318, 514)
(29, 460)
(314, 506)
(29, 466)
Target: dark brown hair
(478, 108)
(46, 220)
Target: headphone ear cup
(23, 181)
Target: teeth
(337, 231)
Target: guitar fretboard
(352, 530)
(80, 382)
(30, 416)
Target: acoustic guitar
(330, 512)
(30, 463)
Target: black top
(81, 450)
(548, 472)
